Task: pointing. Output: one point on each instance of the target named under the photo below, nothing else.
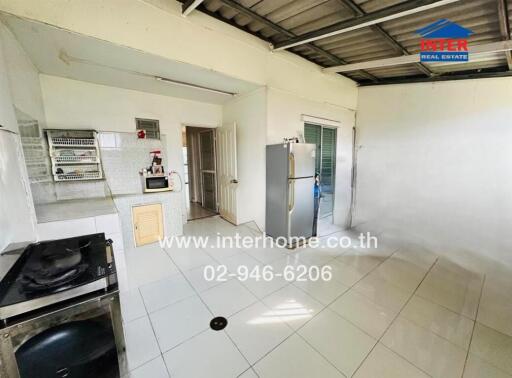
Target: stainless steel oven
(84, 339)
(155, 183)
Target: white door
(227, 173)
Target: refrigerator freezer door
(302, 160)
(301, 207)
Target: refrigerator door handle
(291, 194)
(291, 160)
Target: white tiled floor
(388, 312)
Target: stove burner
(54, 267)
(35, 282)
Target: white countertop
(74, 209)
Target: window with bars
(325, 140)
(150, 126)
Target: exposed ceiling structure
(61, 53)
(334, 33)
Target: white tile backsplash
(109, 224)
(129, 155)
(171, 204)
(66, 229)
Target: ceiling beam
(386, 14)
(409, 59)
(505, 27)
(460, 76)
(256, 17)
(384, 34)
(188, 6)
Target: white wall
(17, 216)
(76, 104)
(23, 78)
(268, 115)
(284, 119)
(249, 112)
(435, 162)
(7, 117)
(157, 27)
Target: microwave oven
(155, 183)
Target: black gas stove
(54, 271)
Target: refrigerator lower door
(300, 207)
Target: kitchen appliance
(290, 179)
(59, 311)
(155, 183)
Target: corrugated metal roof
(298, 17)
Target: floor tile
(237, 263)
(290, 260)
(400, 273)
(313, 256)
(208, 355)
(189, 258)
(292, 305)
(382, 293)
(155, 369)
(345, 274)
(179, 322)
(141, 345)
(363, 263)
(248, 374)
(323, 291)
(295, 358)
(162, 293)
(493, 347)
(132, 306)
(256, 331)
(439, 320)
(342, 343)
(367, 315)
(416, 255)
(455, 289)
(431, 353)
(148, 264)
(384, 363)
(266, 255)
(222, 253)
(262, 288)
(495, 308)
(228, 298)
(478, 368)
(198, 281)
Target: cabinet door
(147, 224)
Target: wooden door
(227, 172)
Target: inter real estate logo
(444, 41)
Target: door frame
(214, 171)
(184, 197)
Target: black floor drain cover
(218, 323)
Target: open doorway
(324, 137)
(199, 158)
